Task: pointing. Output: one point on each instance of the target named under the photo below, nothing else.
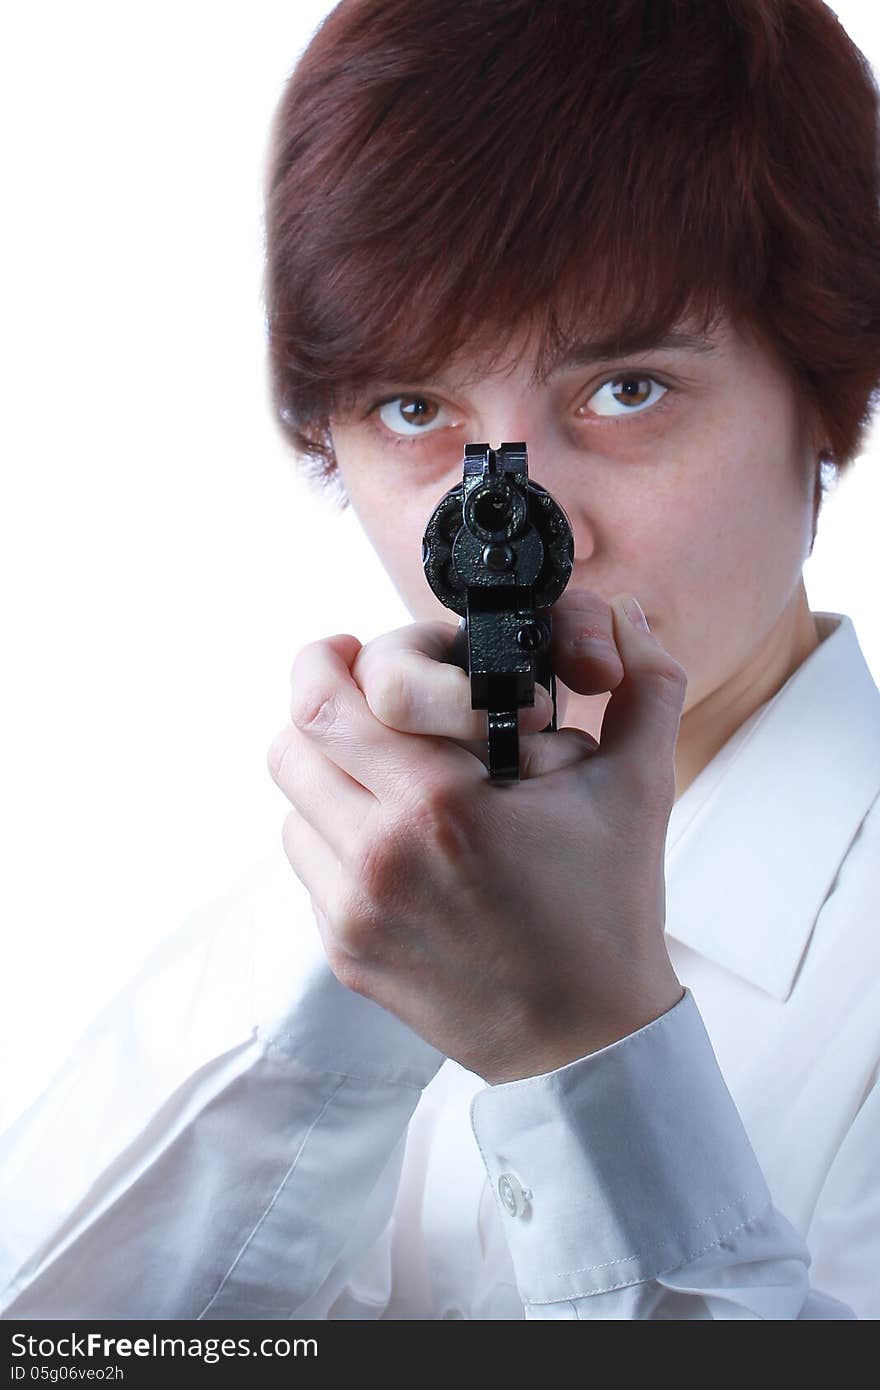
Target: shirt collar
(755, 842)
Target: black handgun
(498, 550)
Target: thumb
(642, 716)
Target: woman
(602, 1044)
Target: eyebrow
(599, 350)
(591, 350)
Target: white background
(155, 539)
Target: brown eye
(417, 411)
(414, 413)
(627, 394)
(631, 390)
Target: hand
(516, 927)
(411, 685)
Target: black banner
(268, 1353)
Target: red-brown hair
(443, 172)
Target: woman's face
(687, 476)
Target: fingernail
(543, 700)
(633, 610)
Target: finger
(411, 685)
(540, 754)
(321, 874)
(329, 707)
(334, 804)
(641, 720)
(313, 861)
(544, 752)
(583, 645)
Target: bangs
(449, 223)
(445, 176)
(616, 292)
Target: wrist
(619, 1020)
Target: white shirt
(238, 1136)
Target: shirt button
(513, 1195)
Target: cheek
(735, 547)
(741, 489)
(391, 515)
(396, 532)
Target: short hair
(441, 173)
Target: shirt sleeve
(628, 1188)
(225, 1142)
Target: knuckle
(672, 676)
(357, 936)
(277, 752)
(443, 821)
(304, 658)
(568, 746)
(284, 758)
(434, 826)
(378, 864)
(346, 926)
(585, 607)
(632, 779)
(289, 829)
(291, 840)
(388, 694)
(312, 703)
(348, 971)
(313, 708)
(588, 638)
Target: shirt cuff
(623, 1164)
(303, 1011)
(332, 1029)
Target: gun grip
(503, 727)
